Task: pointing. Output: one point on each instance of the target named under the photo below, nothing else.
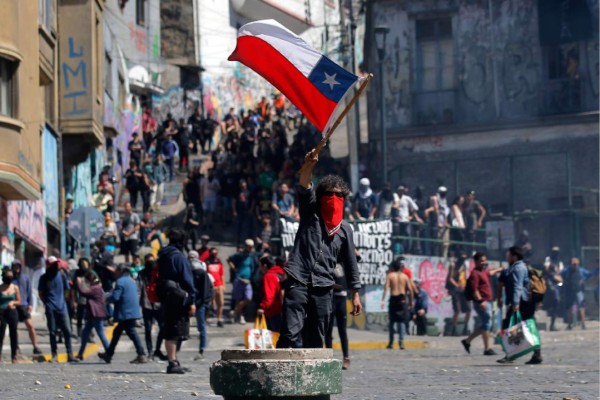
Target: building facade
(500, 97)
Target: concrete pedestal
(300, 374)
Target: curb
(416, 345)
(90, 349)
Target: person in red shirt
(272, 303)
(214, 266)
(204, 251)
(479, 285)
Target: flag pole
(339, 119)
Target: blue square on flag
(332, 80)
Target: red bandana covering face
(332, 213)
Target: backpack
(469, 289)
(537, 283)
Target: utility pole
(353, 123)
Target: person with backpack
(177, 294)
(479, 291)
(272, 301)
(151, 308)
(204, 295)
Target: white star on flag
(330, 80)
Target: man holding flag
(318, 87)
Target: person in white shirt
(407, 213)
(209, 190)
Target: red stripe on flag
(261, 57)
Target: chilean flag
(311, 81)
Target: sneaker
(220, 324)
(37, 351)
(490, 352)
(159, 354)
(199, 356)
(401, 346)
(105, 357)
(175, 368)
(466, 345)
(54, 358)
(242, 320)
(80, 357)
(504, 361)
(346, 363)
(140, 359)
(534, 360)
(72, 359)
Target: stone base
(311, 374)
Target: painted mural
(51, 192)
(28, 219)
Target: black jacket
(204, 289)
(314, 256)
(173, 266)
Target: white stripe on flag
(290, 45)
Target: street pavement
(439, 370)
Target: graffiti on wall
(50, 174)
(75, 80)
(28, 220)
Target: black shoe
(183, 368)
(401, 345)
(490, 352)
(534, 360)
(159, 354)
(140, 359)
(504, 361)
(72, 359)
(466, 345)
(390, 346)
(105, 357)
(80, 357)
(37, 351)
(175, 368)
(220, 324)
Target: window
(46, 14)
(49, 103)
(435, 55)
(140, 12)
(7, 87)
(562, 90)
(108, 86)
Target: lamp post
(381, 33)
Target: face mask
(332, 212)
(7, 280)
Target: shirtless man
(400, 288)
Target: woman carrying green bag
(515, 281)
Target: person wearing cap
(474, 214)
(365, 203)
(323, 240)
(52, 288)
(421, 305)
(26, 305)
(127, 312)
(243, 265)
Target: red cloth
(406, 271)
(272, 302)
(203, 253)
(481, 283)
(216, 270)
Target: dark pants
(133, 197)
(58, 320)
(145, 200)
(151, 316)
(274, 323)
(306, 313)
(170, 162)
(96, 324)
(80, 315)
(421, 323)
(244, 227)
(527, 309)
(183, 156)
(340, 312)
(127, 326)
(10, 318)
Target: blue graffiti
(75, 73)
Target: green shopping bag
(521, 337)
